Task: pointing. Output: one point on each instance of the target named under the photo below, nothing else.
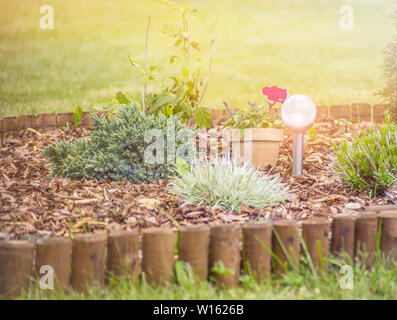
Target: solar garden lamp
(298, 113)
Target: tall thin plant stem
(213, 41)
(146, 66)
(188, 39)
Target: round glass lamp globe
(298, 112)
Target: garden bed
(32, 206)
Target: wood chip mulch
(33, 206)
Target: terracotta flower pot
(259, 147)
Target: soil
(32, 205)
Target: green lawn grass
(296, 44)
(298, 283)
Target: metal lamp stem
(297, 153)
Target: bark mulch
(33, 206)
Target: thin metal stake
(297, 153)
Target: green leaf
(312, 133)
(133, 62)
(114, 109)
(172, 59)
(103, 104)
(136, 65)
(183, 273)
(77, 115)
(181, 94)
(162, 100)
(195, 45)
(153, 68)
(202, 116)
(187, 109)
(220, 269)
(178, 42)
(171, 30)
(185, 70)
(168, 111)
(121, 98)
(182, 166)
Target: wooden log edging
(123, 253)
(225, 248)
(88, 261)
(82, 262)
(54, 253)
(193, 249)
(10, 126)
(366, 230)
(343, 231)
(257, 245)
(388, 239)
(16, 266)
(315, 236)
(285, 245)
(158, 255)
(357, 111)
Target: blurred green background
(296, 44)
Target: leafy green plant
(77, 115)
(182, 92)
(219, 269)
(147, 72)
(312, 132)
(369, 161)
(184, 274)
(260, 116)
(112, 105)
(225, 184)
(116, 148)
(185, 90)
(254, 116)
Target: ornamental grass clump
(369, 161)
(225, 184)
(129, 146)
